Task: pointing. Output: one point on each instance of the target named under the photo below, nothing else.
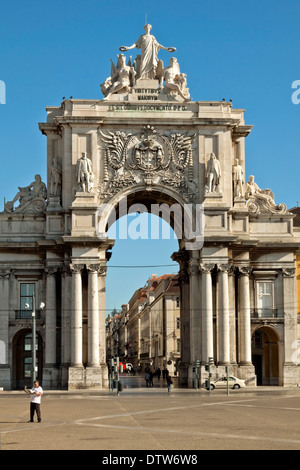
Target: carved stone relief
(147, 158)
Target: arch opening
(142, 268)
(186, 219)
(22, 358)
(265, 356)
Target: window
(177, 302)
(27, 367)
(178, 323)
(28, 342)
(26, 297)
(264, 298)
(27, 355)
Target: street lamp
(33, 350)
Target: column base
(184, 375)
(87, 378)
(246, 372)
(5, 378)
(51, 378)
(291, 375)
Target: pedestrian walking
(147, 378)
(169, 382)
(36, 393)
(151, 378)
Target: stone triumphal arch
(145, 142)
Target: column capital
(245, 270)
(4, 274)
(51, 270)
(181, 257)
(76, 268)
(206, 268)
(96, 268)
(66, 270)
(288, 272)
(225, 268)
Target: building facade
(147, 144)
(147, 332)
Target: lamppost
(33, 344)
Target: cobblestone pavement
(152, 420)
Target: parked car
(233, 382)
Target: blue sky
(244, 51)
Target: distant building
(149, 331)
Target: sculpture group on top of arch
(147, 66)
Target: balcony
(27, 314)
(263, 313)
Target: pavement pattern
(150, 419)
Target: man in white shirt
(35, 402)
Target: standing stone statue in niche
(175, 82)
(121, 80)
(148, 61)
(238, 180)
(55, 179)
(84, 174)
(213, 174)
(31, 198)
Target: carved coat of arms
(147, 158)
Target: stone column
(291, 348)
(224, 327)
(207, 312)
(50, 333)
(182, 258)
(6, 297)
(244, 316)
(102, 304)
(93, 317)
(66, 288)
(194, 330)
(76, 317)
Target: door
(22, 359)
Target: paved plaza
(149, 419)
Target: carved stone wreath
(147, 158)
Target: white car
(233, 382)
